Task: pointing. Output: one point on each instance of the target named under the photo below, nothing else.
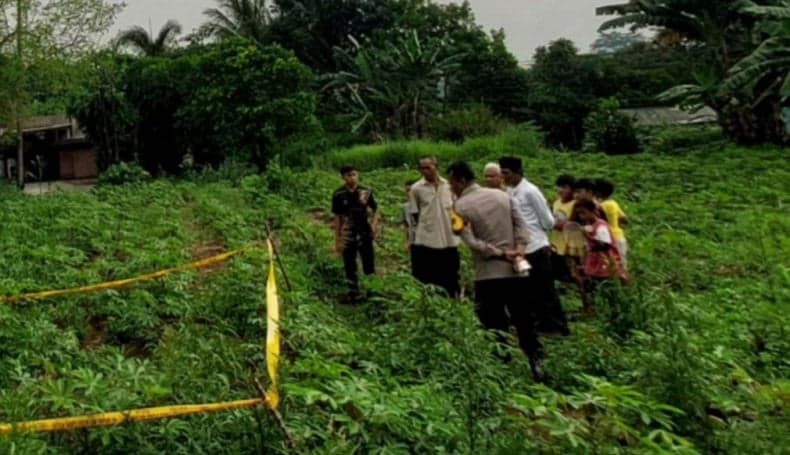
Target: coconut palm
(249, 19)
(146, 44)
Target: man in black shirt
(354, 232)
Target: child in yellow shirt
(615, 216)
(567, 252)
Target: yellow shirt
(562, 212)
(613, 214)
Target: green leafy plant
(609, 131)
(459, 125)
(123, 173)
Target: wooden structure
(55, 149)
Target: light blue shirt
(536, 214)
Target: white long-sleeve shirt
(536, 213)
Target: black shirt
(353, 207)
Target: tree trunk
(20, 137)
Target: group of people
(520, 244)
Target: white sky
(527, 23)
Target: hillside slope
(696, 362)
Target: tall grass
(400, 154)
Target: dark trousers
(542, 295)
(440, 267)
(495, 300)
(362, 245)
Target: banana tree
(391, 89)
(725, 29)
(768, 67)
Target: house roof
(655, 116)
(42, 123)
(46, 122)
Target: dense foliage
(611, 131)
(231, 100)
(745, 41)
(695, 364)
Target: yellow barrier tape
(203, 263)
(272, 331)
(110, 419)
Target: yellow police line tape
(201, 264)
(110, 419)
(272, 331)
(271, 400)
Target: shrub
(610, 131)
(681, 139)
(459, 125)
(123, 173)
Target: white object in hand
(522, 267)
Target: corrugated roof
(46, 122)
(655, 116)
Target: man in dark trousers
(534, 208)
(354, 207)
(491, 225)
(435, 252)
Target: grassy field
(695, 362)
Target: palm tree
(250, 19)
(145, 43)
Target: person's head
(493, 176)
(585, 211)
(604, 189)
(408, 186)
(350, 176)
(584, 190)
(564, 185)
(429, 168)
(460, 175)
(512, 170)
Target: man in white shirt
(435, 252)
(537, 215)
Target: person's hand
(513, 255)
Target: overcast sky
(527, 23)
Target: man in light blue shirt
(539, 220)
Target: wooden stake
(277, 417)
(270, 235)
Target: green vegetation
(745, 75)
(694, 364)
(256, 110)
